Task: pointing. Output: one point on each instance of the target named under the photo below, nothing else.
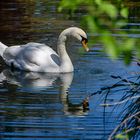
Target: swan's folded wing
(32, 57)
(42, 59)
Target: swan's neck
(66, 64)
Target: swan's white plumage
(40, 57)
(31, 57)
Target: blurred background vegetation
(106, 19)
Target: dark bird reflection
(40, 81)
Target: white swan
(41, 58)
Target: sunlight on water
(50, 106)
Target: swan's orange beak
(84, 43)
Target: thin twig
(121, 102)
(124, 80)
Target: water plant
(129, 118)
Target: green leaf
(109, 9)
(99, 2)
(129, 44)
(122, 137)
(110, 45)
(124, 12)
(127, 57)
(91, 23)
(71, 5)
(138, 50)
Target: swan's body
(41, 58)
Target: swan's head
(78, 34)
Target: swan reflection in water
(38, 81)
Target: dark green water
(37, 106)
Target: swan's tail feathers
(2, 48)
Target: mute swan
(40, 57)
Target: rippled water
(50, 106)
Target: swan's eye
(84, 39)
(84, 43)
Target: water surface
(49, 106)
